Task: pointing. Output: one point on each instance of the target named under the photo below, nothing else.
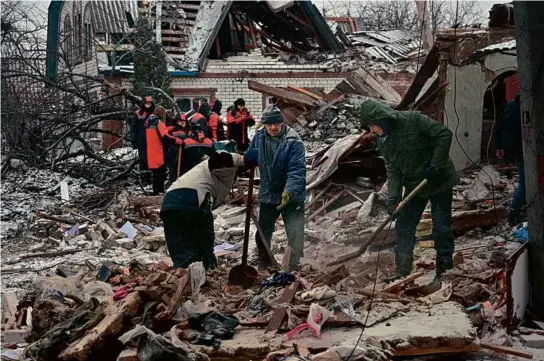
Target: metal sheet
(110, 16)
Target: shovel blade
(244, 276)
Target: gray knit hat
(272, 115)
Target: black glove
(431, 172)
(392, 206)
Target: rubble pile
(344, 120)
(104, 286)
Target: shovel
(244, 275)
(362, 249)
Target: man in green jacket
(414, 148)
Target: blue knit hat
(272, 115)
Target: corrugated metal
(391, 45)
(494, 48)
(110, 16)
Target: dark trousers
(407, 222)
(189, 237)
(519, 195)
(293, 218)
(172, 161)
(159, 176)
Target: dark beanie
(272, 115)
(220, 160)
(204, 109)
(240, 102)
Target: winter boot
(442, 265)
(404, 267)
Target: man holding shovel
(414, 148)
(282, 166)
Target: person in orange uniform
(238, 120)
(138, 134)
(202, 117)
(195, 148)
(216, 123)
(180, 131)
(157, 139)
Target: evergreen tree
(150, 68)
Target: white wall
(463, 109)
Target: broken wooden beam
(289, 96)
(304, 91)
(420, 351)
(118, 317)
(145, 201)
(49, 254)
(279, 315)
(506, 350)
(327, 204)
(395, 286)
(55, 218)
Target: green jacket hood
(372, 110)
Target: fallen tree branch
(49, 254)
(55, 218)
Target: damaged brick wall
(400, 81)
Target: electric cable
(374, 283)
(459, 120)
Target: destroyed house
(213, 48)
(465, 82)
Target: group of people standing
(175, 147)
(202, 174)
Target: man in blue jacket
(282, 190)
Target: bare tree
(50, 122)
(391, 15)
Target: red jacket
(237, 124)
(217, 129)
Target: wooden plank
(174, 49)
(174, 40)
(304, 91)
(400, 283)
(417, 351)
(289, 96)
(425, 72)
(358, 82)
(506, 350)
(116, 319)
(101, 48)
(327, 204)
(9, 309)
(380, 85)
(280, 313)
(181, 33)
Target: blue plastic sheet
(522, 235)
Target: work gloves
(430, 172)
(284, 200)
(251, 158)
(392, 207)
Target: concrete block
(533, 340)
(14, 336)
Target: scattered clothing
(278, 279)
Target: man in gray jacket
(282, 189)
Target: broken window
(67, 45)
(87, 33)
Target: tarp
(317, 176)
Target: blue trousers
(293, 218)
(407, 222)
